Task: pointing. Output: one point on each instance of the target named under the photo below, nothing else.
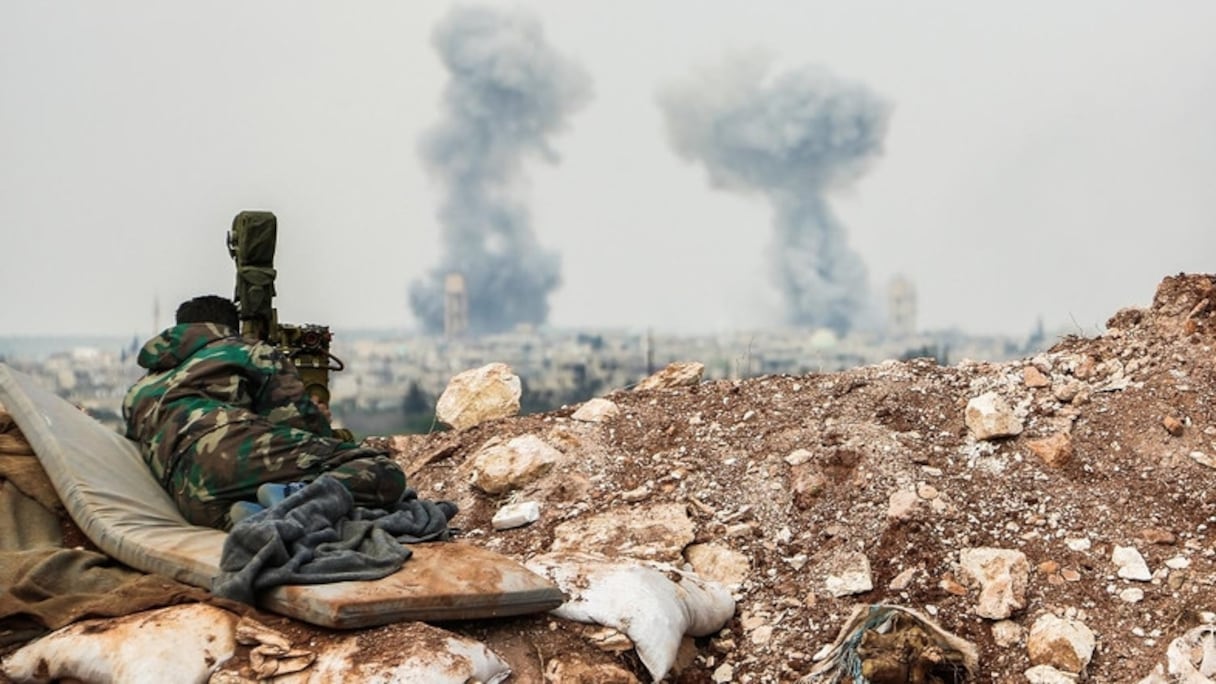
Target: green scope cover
(251, 244)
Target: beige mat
(111, 495)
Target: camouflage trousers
(228, 465)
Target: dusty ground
(721, 449)
(1136, 402)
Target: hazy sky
(1041, 158)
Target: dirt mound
(800, 476)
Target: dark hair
(209, 309)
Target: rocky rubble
(1057, 512)
(1054, 513)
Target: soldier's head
(209, 309)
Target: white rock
(1178, 563)
(478, 395)
(1064, 643)
(596, 410)
(1131, 564)
(718, 563)
(724, 674)
(516, 515)
(1002, 575)
(1203, 459)
(1046, 674)
(1081, 544)
(1131, 595)
(851, 576)
(989, 416)
(901, 504)
(655, 532)
(503, 467)
(902, 580)
(1007, 633)
(761, 635)
(798, 457)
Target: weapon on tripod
(251, 244)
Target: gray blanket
(318, 535)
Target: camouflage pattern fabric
(217, 416)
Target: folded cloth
(318, 535)
(46, 588)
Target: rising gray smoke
(794, 139)
(508, 93)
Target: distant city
(391, 380)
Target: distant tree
(416, 401)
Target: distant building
(901, 307)
(455, 306)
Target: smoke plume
(794, 139)
(508, 92)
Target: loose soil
(793, 471)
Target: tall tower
(455, 305)
(901, 307)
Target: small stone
(596, 410)
(1054, 451)
(1048, 567)
(851, 575)
(609, 640)
(988, 416)
(762, 635)
(1131, 564)
(950, 586)
(902, 580)
(926, 491)
(740, 530)
(516, 515)
(1063, 643)
(1068, 392)
(750, 622)
(1033, 377)
(1081, 544)
(1046, 674)
(1203, 459)
(679, 374)
(718, 563)
(1002, 576)
(1172, 425)
(1070, 575)
(1178, 563)
(647, 532)
(637, 494)
(1132, 595)
(724, 674)
(1006, 633)
(500, 468)
(901, 504)
(798, 457)
(1156, 535)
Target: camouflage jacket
(203, 376)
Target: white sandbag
(1190, 659)
(413, 652)
(177, 644)
(640, 600)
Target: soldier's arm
(282, 398)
